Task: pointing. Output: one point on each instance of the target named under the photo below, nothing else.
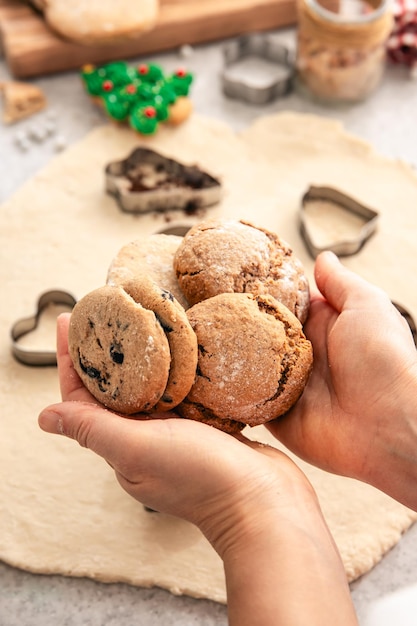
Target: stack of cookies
(209, 325)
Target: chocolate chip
(91, 372)
(167, 295)
(95, 374)
(116, 353)
(165, 326)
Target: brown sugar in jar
(341, 48)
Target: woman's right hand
(358, 414)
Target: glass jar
(341, 47)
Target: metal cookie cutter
(343, 247)
(248, 88)
(147, 181)
(408, 318)
(180, 230)
(28, 324)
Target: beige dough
(61, 509)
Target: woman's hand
(358, 414)
(170, 464)
(252, 502)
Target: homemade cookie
(99, 21)
(181, 338)
(225, 256)
(253, 360)
(152, 256)
(119, 350)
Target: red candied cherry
(107, 85)
(149, 112)
(181, 72)
(143, 69)
(131, 89)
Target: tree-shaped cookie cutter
(147, 181)
(343, 247)
(266, 48)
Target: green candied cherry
(150, 72)
(145, 93)
(116, 108)
(91, 79)
(128, 93)
(167, 93)
(161, 108)
(180, 82)
(120, 73)
(144, 119)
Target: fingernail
(332, 256)
(51, 421)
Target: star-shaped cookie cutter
(266, 48)
(341, 247)
(27, 325)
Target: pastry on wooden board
(99, 21)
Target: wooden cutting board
(32, 49)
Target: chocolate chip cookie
(120, 350)
(181, 338)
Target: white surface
(400, 604)
(385, 596)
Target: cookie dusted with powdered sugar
(152, 256)
(225, 256)
(253, 361)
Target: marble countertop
(388, 120)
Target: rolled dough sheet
(61, 509)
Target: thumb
(107, 434)
(341, 287)
(136, 445)
(172, 465)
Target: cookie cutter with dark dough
(341, 246)
(27, 325)
(147, 181)
(249, 89)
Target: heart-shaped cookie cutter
(346, 247)
(263, 47)
(28, 324)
